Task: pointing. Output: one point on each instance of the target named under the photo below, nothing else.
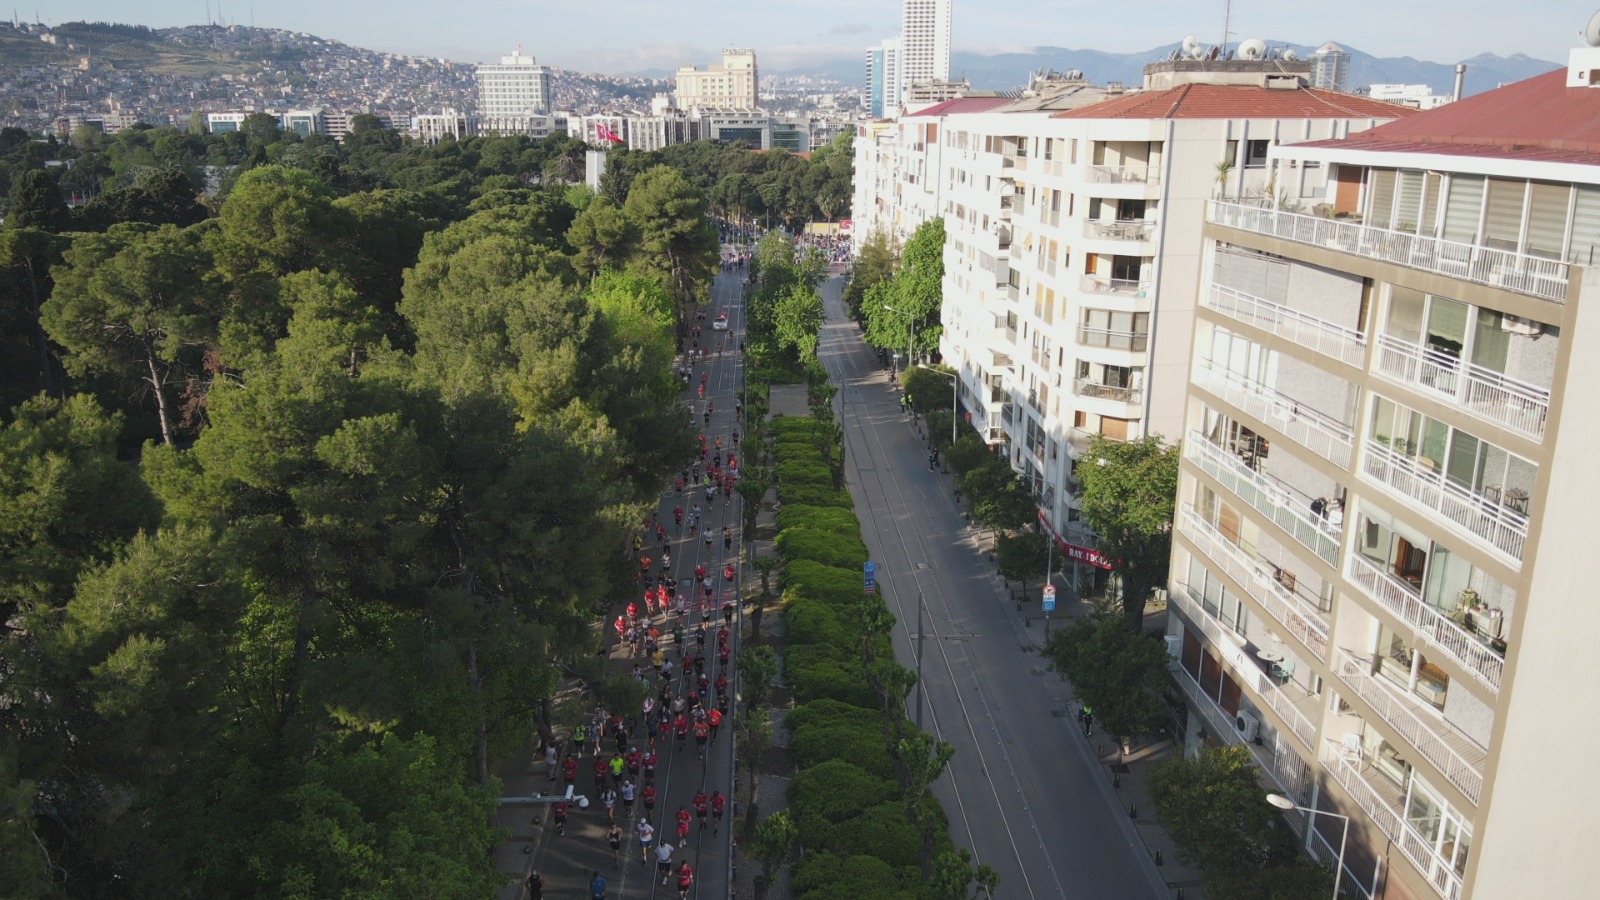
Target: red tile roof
(962, 105)
(1238, 101)
(1539, 118)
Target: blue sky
(624, 35)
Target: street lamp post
(1285, 804)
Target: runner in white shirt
(664, 860)
(647, 835)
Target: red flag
(607, 134)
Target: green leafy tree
(954, 876)
(774, 844)
(875, 264)
(278, 220)
(758, 667)
(1119, 673)
(677, 244)
(137, 303)
(1128, 495)
(1022, 556)
(27, 364)
(910, 300)
(36, 202)
(602, 236)
(999, 499)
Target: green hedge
(812, 495)
(815, 622)
(825, 730)
(829, 876)
(836, 791)
(821, 518)
(811, 580)
(805, 473)
(828, 548)
(816, 672)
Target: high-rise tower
(924, 42)
(513, 90)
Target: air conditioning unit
(1175, 646)
(1517, 325)
(1248, 724)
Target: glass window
(1381, 208)
(1502, 225)
(1547, 219)
(1447, 326)
(1405, 314)
(1585, 227)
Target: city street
(1024, 791)
(566, 861)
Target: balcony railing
(1100, 284)
(1133, 341)
(1114, 230)
(1281, 764)
(1083, 387)
(1415, 728)
(1308, 331)
(1428, 623)
(1301, 619)
(1269, 694)
(1326, 437)
(1268, 498)
(1478, 391)
(1417, 848)
(1531, 275)
(1491, 522)
(1125, 174)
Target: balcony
(1303, 620)
(1428, 624)
(1119, 230)
(1125, 174)
(1380, 802)
(1489, 521)
(1475, 390)
(1267, 498)
(1530, 275)
(1083, 387)
(1326, 437)
(1132, 341)
(1101, 284)
(1282, 765)
(1308, 331)
(1457, 758)
(1267, 693)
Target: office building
(924, 42)
(883, 78)
(735, 84)
(1330, 68)
(1388, 492)
(511, 92)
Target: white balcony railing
(1531, 275)
(1083, 387)
(1343, 344)
(1491, 522)
(1100, 284)
(1125, 174)
(1414, 727)
(1266, 497)
(1417, 848)
(1268, 693)
(1301, 619)
(1132, 341)
(1429, 624)
(1478, 391)
(1114, 230)
(1326, 437)
(1281, 764)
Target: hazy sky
(616, 36)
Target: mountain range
(1009, 71)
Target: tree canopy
(1128, 495)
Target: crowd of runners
(678, 636)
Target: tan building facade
(734, 84)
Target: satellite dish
(1255, 48)
(1290, 56)
(1197, 53)
(1591, 35)
(1190, 42)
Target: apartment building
(735, 84)
(924, 42)
(1388, 490)
(511, 92)
(1074, 244)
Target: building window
(1255, 154)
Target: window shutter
(1547, 219)
(1464, 208)
(1585, 244)
(1381, 209)
(1405, 216)
(1502, 225)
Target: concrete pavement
(1025, 791)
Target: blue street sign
(1049, 598)
(869, 573)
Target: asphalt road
(1024, 791)
(566, 861)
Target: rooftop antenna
(1591, 34)
(1227, 21)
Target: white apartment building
(1074, 244)
(735, 84)
(431, 128)
(924, 42)
(1388, 496)
(511, 92)
(883, 78)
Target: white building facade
(734, 84)
(924, 41)
(1387, 496)
(512, 91)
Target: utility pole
(920, 636)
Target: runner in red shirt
(649, 796)
(680, 727)
(702, 732)
(727, 572)
(714, 719)
(683, 826)
(702, 805)
(559, 814)
(719, 805)
(569, 770)
(685, 881)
